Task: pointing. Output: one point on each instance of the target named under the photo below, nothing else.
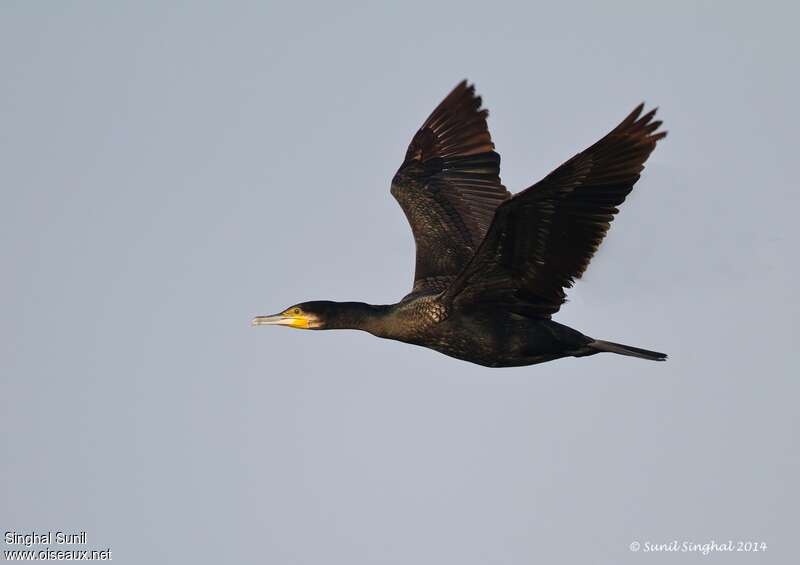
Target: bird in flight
(492, 267)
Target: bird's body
(491, 269)
(495, 337)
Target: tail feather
(610, 346)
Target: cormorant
(491, 268)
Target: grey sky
(170, 171)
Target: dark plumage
(492, 268)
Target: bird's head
(304, 316)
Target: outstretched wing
(449, 187)
(543, 238)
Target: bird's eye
(296, 311)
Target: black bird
(491, 268)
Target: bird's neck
(359, 316)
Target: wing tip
(642, 126)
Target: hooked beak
(281, 320)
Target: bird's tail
(600, 345)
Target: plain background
(171, 170)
